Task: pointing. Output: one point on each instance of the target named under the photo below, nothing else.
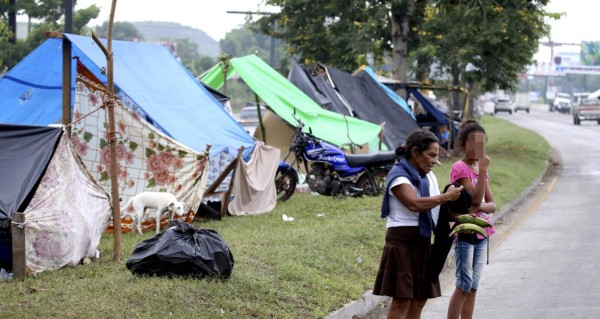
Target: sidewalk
(370, 306)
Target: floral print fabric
(147, 159)
(67, 215)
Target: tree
(484, 42)
(124, 31)
(244, 41)
(5, 32)
(187, 53)
(337, 33)
(495, 38)
(50, 13)
(401, 13)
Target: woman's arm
(406, 195)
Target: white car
(503, 105)
(562, 103)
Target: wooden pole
(112, 139)
(260, 121)
(66, 83)
(227, 194)
(18, 245)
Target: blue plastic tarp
(432, 110)
(147, 74)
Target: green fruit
(466, 228)
(467, 218)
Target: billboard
(569, 58)
(590, 53)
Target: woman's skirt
(403, 271)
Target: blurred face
(475, 146)
(425, 161)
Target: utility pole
(552, 45)
(12, 20)
(272, 45)
(68, 16)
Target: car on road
(562, 103)
(249, 114)
(587, 110)
(503, 105)
(522, 102)
(248, 117)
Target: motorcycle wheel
(380, 177)
(285, 184)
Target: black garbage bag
(182, 250)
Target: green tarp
(283, 98)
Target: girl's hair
(467, 127)
(421, 139)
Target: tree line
(484, 44)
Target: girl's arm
(406, 195)
(480, 189)
(489, 206)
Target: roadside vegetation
(305, 268)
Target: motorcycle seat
(371, 159)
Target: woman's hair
(421, 139)
(467, 127)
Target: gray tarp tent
(359, 96)
(65, 210)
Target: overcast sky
(579, 23)
(208, 16)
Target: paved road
(545, 263)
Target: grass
(307, 268)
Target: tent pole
(66, 84)
(260, 121)
(225, 196)
(18, 245)
(112, 139)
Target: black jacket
(442, 243)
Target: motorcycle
(331, 171)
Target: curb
(362, 306)
(521, 198)
(369, 302)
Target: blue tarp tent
(146, 75)
(434, 116)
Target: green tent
(283, 98)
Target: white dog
(162, 202)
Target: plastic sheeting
(182, 250)
(285, 100)
(433, 116)
(369, 102)
(24, 156)
(329, 99)
(148, 79)
(399, 100)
